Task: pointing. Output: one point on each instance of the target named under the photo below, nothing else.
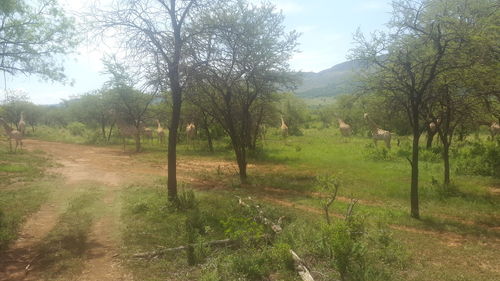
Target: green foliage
(295, 113)
(34, 35)
(243, 229)
(377, 153)
(186, 200)
(342, 244)
(433, 154)
(478, 158)
(76, 128)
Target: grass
(456, 238)
(459, 222)
(20, 194)
(63, 250)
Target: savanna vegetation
(243, 198)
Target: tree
(241, 60)
(94, 109)
(154, 36)
(463, 93)
(33, 35)
(407, 60)
(129, 105)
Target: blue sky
(327, 27)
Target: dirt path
(79, 164)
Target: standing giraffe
(160, 132)
(127, 130)
(494, 129)
(377, 133)
(283, 128)
(12, 134)
(431, 131)
(148, 133)
(345, 129)
(190, 132)
(21, 126)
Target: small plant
(329, 184)
(243, 229)
(377, 153)
(186, 200)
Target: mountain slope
(329, 82)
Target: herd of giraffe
(134, 131)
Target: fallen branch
(301, 267)
(276, 227)
(162, 252)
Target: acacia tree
(241, 59)
(154, 37)
(33, 35)
(463, 93)
(407, 60)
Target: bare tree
(153, 35)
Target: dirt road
(79, 164)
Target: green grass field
(457, 237)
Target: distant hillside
(329, 82)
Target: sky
(326, 27)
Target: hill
(329, 82)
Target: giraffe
(12, 134)
(494, 129)
(160, 132)
(21, 126)
(377, 133)
(345, 129)
(431, 131)
(127, 130)
(190, 132)
(283, 128)
(148, 133)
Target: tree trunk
(446, 160)
(103, 130)
(110, 131)
(414, 171)
(209, 136)
(241, 158)
(430, 138)
(172, 146)
(137, 143)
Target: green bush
(430, 155)
(373, 152)
(76, 128)
(478, 158)
(342, 244)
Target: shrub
(345, 249)
(373, 152)
(76, 128)
(430, 155)
(186, 200)
(478, 158)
